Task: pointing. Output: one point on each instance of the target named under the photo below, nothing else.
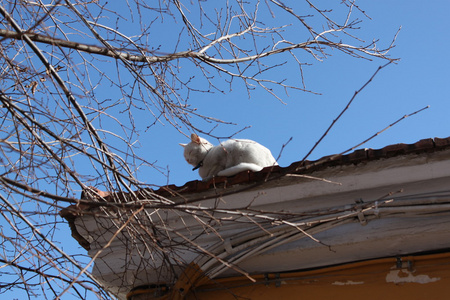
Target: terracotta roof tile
(355, 156)
(442, 143)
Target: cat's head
(196, 150)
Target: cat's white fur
(228, 158)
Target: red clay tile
(442, 143)
(355, 157)
(422, 145)
(239, 178)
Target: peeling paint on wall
(405, 276)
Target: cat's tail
(239, 168)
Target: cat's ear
(183, 145)
(195, 138)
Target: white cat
(226, 159)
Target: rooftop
(197, 190)
(313, 214)
(307, 167)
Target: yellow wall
(413, 277)
(419, 277)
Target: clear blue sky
(420, 78)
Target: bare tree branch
(60, 135)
